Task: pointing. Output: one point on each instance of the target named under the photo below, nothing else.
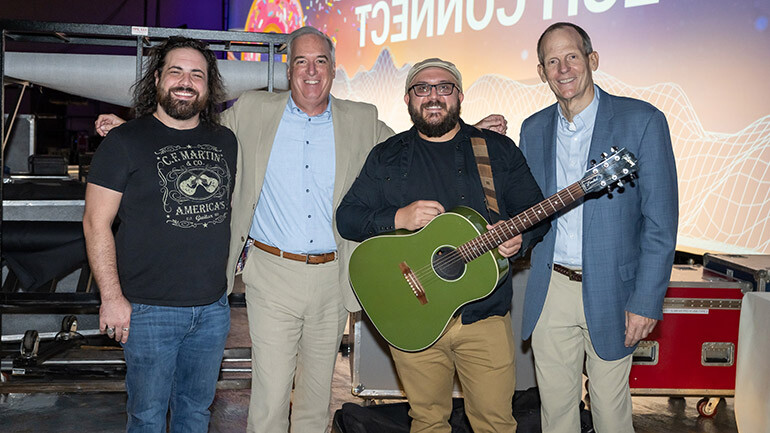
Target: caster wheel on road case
(707, 407)
(69, 328)
(29, 344)
(69, 324)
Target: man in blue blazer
(598, 278)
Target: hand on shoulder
(106, 122)
(494, 122)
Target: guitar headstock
(609, 171)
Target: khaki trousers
(296, 321)
(561, 343)
(482, 353)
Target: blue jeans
(173, 355)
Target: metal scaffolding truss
(137, 37)
(140, 38)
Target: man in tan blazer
(297, 297)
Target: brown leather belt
(311, 259)
(574, 275)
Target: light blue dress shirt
(294, 211)
(573, 140)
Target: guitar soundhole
(448, 264)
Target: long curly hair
(146, 91)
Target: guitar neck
(484, 243)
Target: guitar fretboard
(484, 243)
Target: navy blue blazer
(628, 238)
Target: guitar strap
(481, 153)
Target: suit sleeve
(659, 218)
(228, 117)
(383, 131)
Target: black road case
(754, 268)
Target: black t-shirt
(174, 214)
(442, 171)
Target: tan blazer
(255, 118)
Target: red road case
(691, 352)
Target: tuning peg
(604, 155)
(619, 183)
(614, 149)
(593, 162)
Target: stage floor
(105, 411)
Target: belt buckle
(307, 260)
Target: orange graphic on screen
(273, 16)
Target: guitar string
(427, 274)
(487, 240)
(474, 248)
(456, 255)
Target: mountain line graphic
(724, 178)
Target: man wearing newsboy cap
(406, 182)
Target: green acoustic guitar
(411, 283)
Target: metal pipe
(12, 118)
(16, 338)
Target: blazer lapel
(341, 154)
(270, 116)
(601, 141)
(549, 153)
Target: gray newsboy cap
(434, 63)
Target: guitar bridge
(413, 282)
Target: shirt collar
(583, 120)
(326, 115)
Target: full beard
(434, 128)
(181, 109)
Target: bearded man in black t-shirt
(168, 177)
(406, 182)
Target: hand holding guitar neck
(509, 247)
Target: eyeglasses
(442, 89)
